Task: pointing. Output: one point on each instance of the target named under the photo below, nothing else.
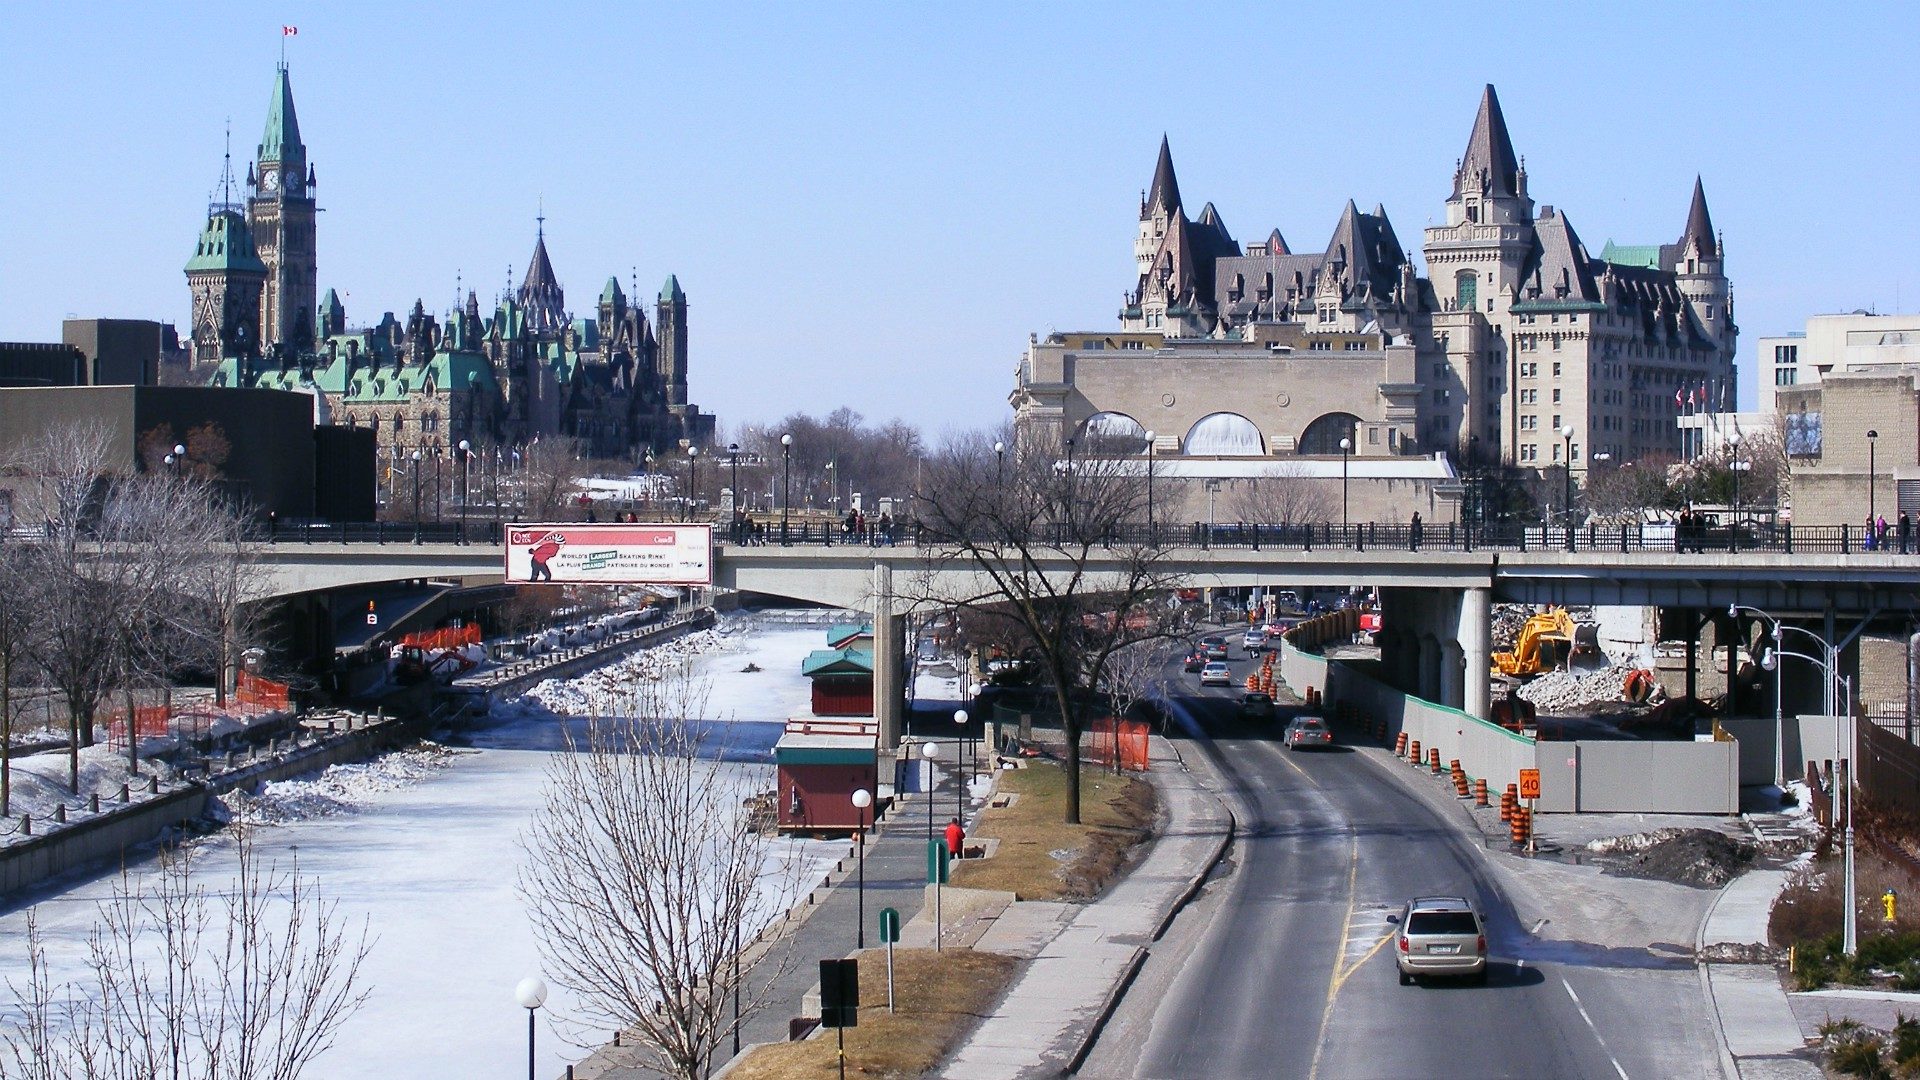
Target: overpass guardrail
(1845, 539)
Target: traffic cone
(1400, 745)
(1480, 791)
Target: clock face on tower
(270, 180)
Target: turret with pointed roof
(282, 215)
(1164, 195)
(281, 141)
(1489, 165)
(545, 303)
(1699, 230)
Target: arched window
(1224, 434)
(1466, 291)
(1112, 434)
(1323, 436)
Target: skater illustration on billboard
(541, 551)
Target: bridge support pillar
(1475, 636)
(888, 678)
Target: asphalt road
(1283, 967)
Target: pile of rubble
(1699, 857)
(1572, 691)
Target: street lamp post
(733, 459)
(1000, 462)
(531, 994)
(1566, 506)
(861, 800)
(930, 752)
(178, 459)
(786, 483)
(1873, 442)
(960, 759)
(693, 456)
(1149, 491)
(416, 494)
(466, 495)
(1828, 660)
(1346, 453)
(1843, 788)
(436, 485)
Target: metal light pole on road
(693, 456)
(1149, 490)
(1346, 453)
(416, 494)
(1873, 442)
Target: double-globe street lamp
(1829, 663)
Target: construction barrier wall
(1626, 776)
(1486, 751)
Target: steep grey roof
(1165, 192)
(1366, 251)
(1490, 151)
(1210, 219)
(540, 292)
(1557, 267)
(1699, 223)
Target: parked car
(1195, 660)
(1254, 640)
(1216, 674)
(1441, 935)
(1256, 706)
(1308, 731)
(1215, 646)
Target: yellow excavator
(1546, 642)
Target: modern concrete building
(260, 446)
(1517, 346)
(1858, 341)
(1853, 443)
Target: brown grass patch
(1811, 906)
(938, 997)
(1116, 813)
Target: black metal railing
(1320, 536)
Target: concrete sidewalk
(1758, 1032)
(1072, 983)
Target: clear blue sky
(874, 204)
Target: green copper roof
(837, 662)
(226, 244)
(611, 294)
(1643, 255)
(282, 139)
(671, 290)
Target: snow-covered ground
(425, 844)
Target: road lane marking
(1593, 1028)
(1336, 977)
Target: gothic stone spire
(1490, 151)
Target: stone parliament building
(1515, 346)
(614, 379)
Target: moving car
(1441, 935)
(1256, 706)
(1308, 731)
(1254, 640)
(1214, 646)
(1195, 660)
(1276, 627)
(1216, 674)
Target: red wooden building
(842, 681)
(819, 765)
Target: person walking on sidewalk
(956, 838)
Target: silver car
(1307, 731)
(1441, 935)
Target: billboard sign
(589, 554)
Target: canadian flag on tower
(289, 31)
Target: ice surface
(425, 845)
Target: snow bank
(339, 788)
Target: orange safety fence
(158, 721)
(256, 693)
(447, 637)
(1128, 738)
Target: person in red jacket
(546, 548)
(956, 838)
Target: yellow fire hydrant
(1890, 902)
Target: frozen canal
(426, 847)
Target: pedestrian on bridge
(1906, 532)
(1413, 532)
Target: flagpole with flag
(286, 31)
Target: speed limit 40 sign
(1529, 783)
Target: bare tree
(1288, 496)
(549, 478)
(1049, 545)
(1133, 674)
(16, 629)
(642, 871)
(251, 982)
